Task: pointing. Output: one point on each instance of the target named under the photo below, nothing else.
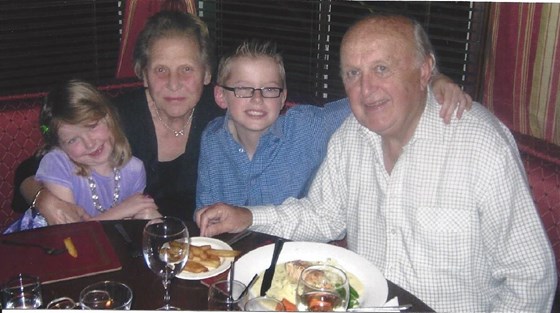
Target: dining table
(185, 294)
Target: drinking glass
(22, 292)
(322, 288)
(62, 303)
(224, 295)
(106, 295)
(264, 304)
(165, 245)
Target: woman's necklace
(177, 133)
(116, 191)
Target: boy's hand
(451, 97)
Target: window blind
(45, 41)
(309, 35)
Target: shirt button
(241, 150)
(393, 231)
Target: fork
(47, 250)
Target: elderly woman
(163, 121)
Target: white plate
(215, 244)
(375, 285)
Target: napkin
(389, 306)
(393, 302)
(210, 280)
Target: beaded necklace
(95, 197)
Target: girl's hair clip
(44, 129)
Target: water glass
(62, 303)
(322, 288)
(165, 245)
(106, 295)
(264, 304)
(22, 292)
(224, 295)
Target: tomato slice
(288, 305)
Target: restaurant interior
(506, 55)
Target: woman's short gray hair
(167, 24)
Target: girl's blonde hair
(77, 102)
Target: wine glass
(322, 288)
(165, 245)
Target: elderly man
(443, 210)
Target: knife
(238, 237)
(269, 273)
(384, 309)
(134, 252)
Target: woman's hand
(451, 97)
(57, 211)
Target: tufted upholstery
(20, 137)
(542, 163)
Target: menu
(95, 253)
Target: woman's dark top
(25, 169)
(171, 184)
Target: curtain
(522, 73)
(136, 13)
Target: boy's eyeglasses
(248, 92)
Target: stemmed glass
(165, 245)
(322, 288)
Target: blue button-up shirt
(285, 161)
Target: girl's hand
(137, 203)
(451, 97)
(129, 208)
(147, 214)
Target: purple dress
(57, 168)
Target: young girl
(88, 159)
